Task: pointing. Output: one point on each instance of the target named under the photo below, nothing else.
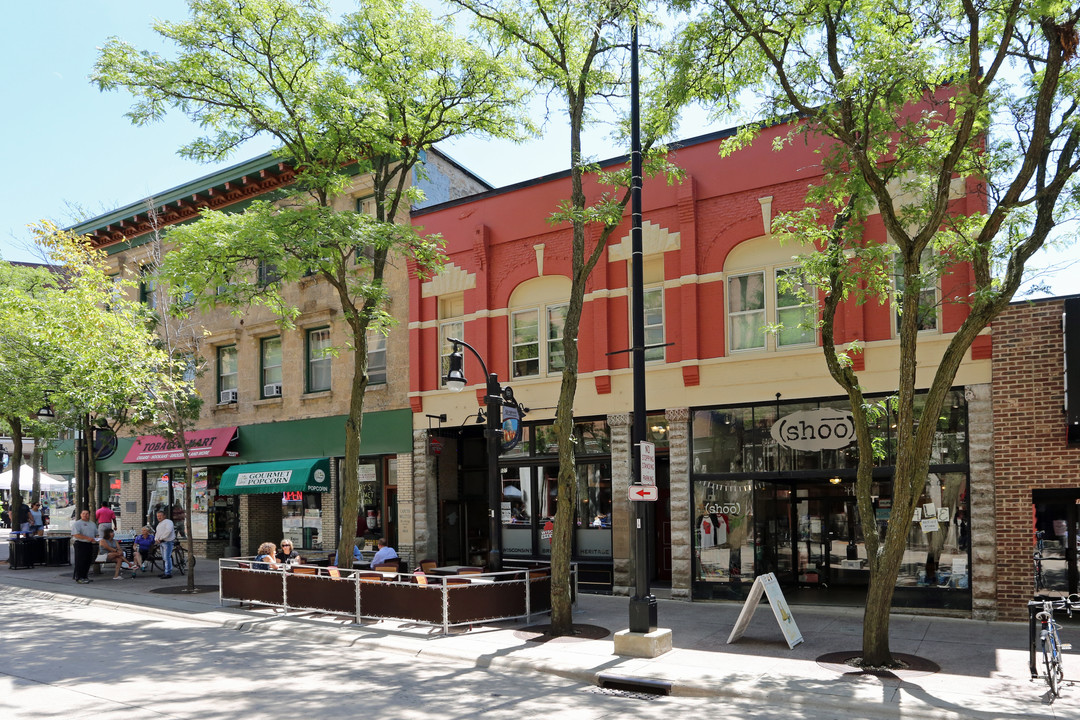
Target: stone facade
(681, 518)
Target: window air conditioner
(226, 397)
(272, 390)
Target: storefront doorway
(1057, 519)
(810, 534)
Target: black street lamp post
(455, 380)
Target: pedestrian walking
(84, 537)
(106, 518)
(164, 537)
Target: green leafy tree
(72, 340)
(22, 367)
(907, 102)
(368, 95)
(578, 53)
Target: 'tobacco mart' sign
(821, 429)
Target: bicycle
(1051, 642)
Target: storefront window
(739, 440)
(301, 519)
(369, 521)
(724, 532)
(593, 531)
(518, 503)
(167, 494)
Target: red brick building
(1036, 467)
(734, 501)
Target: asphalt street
(75, 661)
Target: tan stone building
(275, 401)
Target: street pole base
(643, 645)
(643, 614)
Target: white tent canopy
(26, 480)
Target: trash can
(20, 551)
(37, 549)
(57, 549)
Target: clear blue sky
(66, 143)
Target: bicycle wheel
(1052, 660)
(180, 559)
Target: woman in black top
(286, 555)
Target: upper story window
(451, 325)
(319, 360)
(228, 373)
(746, 311)
(270, 362)
(928, 293)
(794, 312)
(536, 340)
(653, 301)
(147, 288)
(268, 274)
(376, 358)
(537, 326)
(759, 298)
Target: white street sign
(646, 493)
(648, 463)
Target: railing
(441, 601)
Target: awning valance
(201, 444)
(311, 475)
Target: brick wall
(1030, 449)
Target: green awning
(273, 477)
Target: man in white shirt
(164, 537)
(384, 553)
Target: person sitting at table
(384, 554)
(286, 555)
(266, 558)
(144, 548)
(113, 553)
(357, 556)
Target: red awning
(201, 444)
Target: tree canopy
(912, 107)
(355, 103)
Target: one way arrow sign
(647, 493)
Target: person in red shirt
(105, 517)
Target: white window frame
(805, 307)
(454, 328)
(376, 358)
(263, 366)
(228, 380)
(544, 343)
(733, 314)
(769, 312)
(310, 361)
(654, 332)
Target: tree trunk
(348, 480)
(16, 466)
(189, 479)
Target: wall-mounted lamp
(835, 480)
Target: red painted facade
(716, 207)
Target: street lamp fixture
(455, 380)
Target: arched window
(537, 320)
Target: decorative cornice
(654, 241)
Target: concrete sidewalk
(983, 666)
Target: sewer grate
(616, 692)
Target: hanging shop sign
(821, 429)
(511, 427)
